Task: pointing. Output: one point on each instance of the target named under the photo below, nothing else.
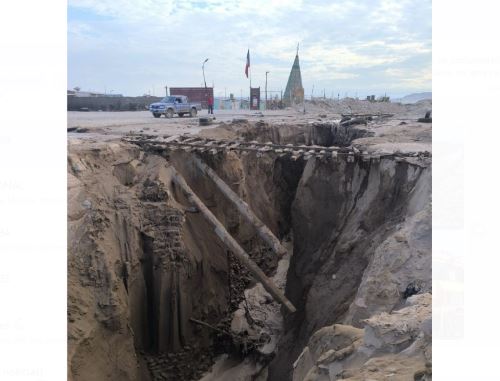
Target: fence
(110, 103)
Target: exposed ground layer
(139, 266)
(362, 235)
(392, 346)
(141, 261)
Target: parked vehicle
(174, 104)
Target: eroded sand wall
(362, 234)
(140, 263)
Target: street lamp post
(203, 69)
(267, 72)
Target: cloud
(134, 46)
(419, 79)
(126, 10)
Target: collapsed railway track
(189, 143)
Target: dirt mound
(348, 106)
(354, 106)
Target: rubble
(396, 345)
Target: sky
(346, 48)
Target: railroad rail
(189, 143)
(367, 115)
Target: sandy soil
(110, 125)
(140, 262)
(401, 132)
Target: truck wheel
(193, 112)
(169, 113)
(156, 115)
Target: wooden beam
(209, 326)
(231, 243)
(262, 230)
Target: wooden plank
(231, 243)
(264, 232)
(209, 326)
(172, 138)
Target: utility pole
(312, 93)
(166, 90)
(267, 72)
(203, 69)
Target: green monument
(294, 92)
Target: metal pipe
(267, 72)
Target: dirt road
(401, 132)
(109, 125)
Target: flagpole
(249, 68)
(250, 77)
(250, 88)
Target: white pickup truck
(174, 104)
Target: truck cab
(174, 104)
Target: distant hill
(414, 98)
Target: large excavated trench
(153, 292)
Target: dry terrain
(154, 294)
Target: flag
(248, 63)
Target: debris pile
(395, 345)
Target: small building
(255, 98)
(244, 104)
(227, 104)
(195, 94)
